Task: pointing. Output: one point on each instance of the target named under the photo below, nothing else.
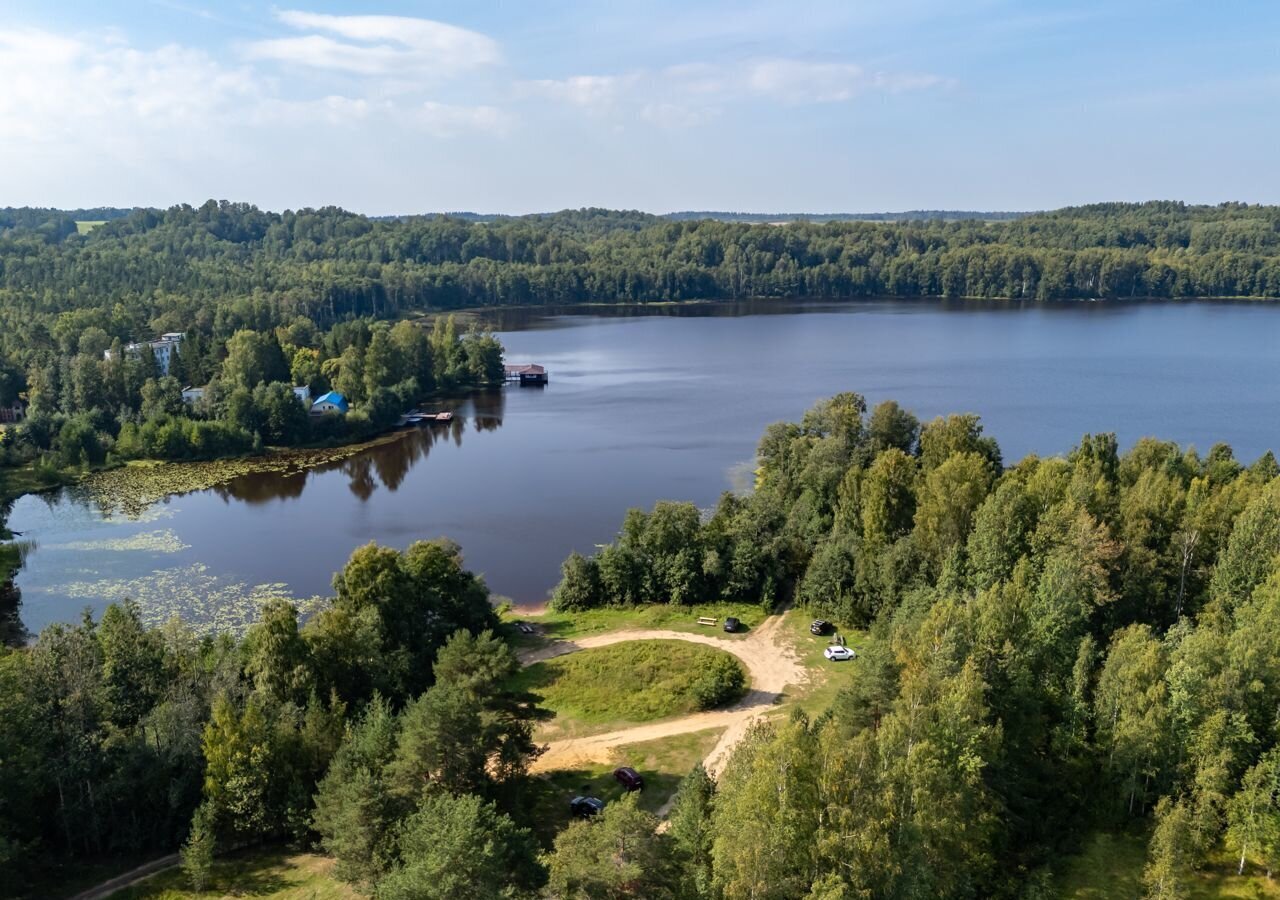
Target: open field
(771, 663)
(276, 874)
(87, 225)
(566, 626)
(1110, 868)
(627, 684)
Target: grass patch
(662, 763)
(277, 874)
(84, 226)
(826, 678)
(569, 625)
(15, 481)
(631, 683)
(1110, 868)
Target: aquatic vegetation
(208, 603)
(133, 490)
(162, 540)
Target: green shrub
(717, 680)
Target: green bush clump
(718, 680)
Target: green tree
(949, 499)
(197, 852)
(1253, 814)
(619, 855)
(766, 815)
(355, 810)
(888, 498)
(459, 847)
(1132, 713)
(1170, 857)
(691, 831)
(252, 359)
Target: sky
(522, 106)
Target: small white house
(193, 394)
(303, 393)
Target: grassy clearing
(662, 763)
(827, 678)
(570, 625)
(1110, 868)
(277, 874)
(627, 684)
(84, 226)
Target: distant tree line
(311, 284)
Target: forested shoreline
(158, 268)
(1049, 649)
(1057, 647)
(269, 301)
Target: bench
(707, 620)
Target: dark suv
(820, 626)
(731, 624)
(629, 778)
(586, 807)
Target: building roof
(332, 397)
(526, 370)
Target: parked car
(586, 807)
(836, 653)
(820, 626)
(731, 624)
(629, 778)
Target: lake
(655, 403)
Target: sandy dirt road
(771, 665)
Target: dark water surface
(653, 404)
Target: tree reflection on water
(385, 464)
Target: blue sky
(525, 105)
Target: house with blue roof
(332, 402)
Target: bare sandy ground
(771, 665)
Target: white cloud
(93, 87)
(796, 81)
(593, 91)
(448, 120)
(685, 95)
(377, 45)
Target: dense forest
(272, 300)
(1055, 647)
(1064, 645)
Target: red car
(629, 778)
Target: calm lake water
(660, 403)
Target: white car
(839, 654)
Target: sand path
(771, 665)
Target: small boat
(444, 417)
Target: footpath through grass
(1110, 868)
(276, 874)
(632, 683)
